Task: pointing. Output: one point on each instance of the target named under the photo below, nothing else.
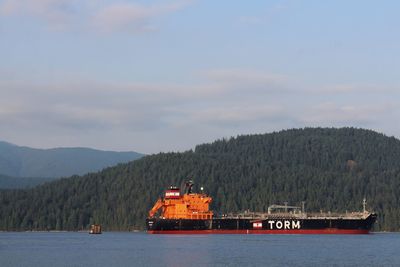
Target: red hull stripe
(252, 231)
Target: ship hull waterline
(260, 232)
(282, 225)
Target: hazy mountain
(330, 169)
(17, 161)
(7, 182)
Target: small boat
(95, 229)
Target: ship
(189, 213)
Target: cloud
(96, 106)
(248, 81)
(336, 113)
(90, 110)
(244, 76)
(55, 12)
(86, 14)
(354, 88)
(131, 17)
(150, 117)
(229, 116)
(266, 15)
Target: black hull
(282, 225)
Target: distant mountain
(7, 182)
(331, 169)
(17, 161)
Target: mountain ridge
(23, 161)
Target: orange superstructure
(187, 206)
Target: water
(140, 249)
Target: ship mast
(364, 205)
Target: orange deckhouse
(192, 206)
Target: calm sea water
(140, 249)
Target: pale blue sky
(165, 75)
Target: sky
(165, 75)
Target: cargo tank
(189, 213)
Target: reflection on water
(140, 249)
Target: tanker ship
(189, 213)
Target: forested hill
(330, 169)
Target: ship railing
(337, 215)
(262, 215)
(278, 215)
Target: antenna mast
(364, 205)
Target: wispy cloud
(56, 12)
(237, 115)
(245, 76)
(250, 81)
(355, 88)
(131, 16)
(266, 15)
(86, 14)
(334, 113)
